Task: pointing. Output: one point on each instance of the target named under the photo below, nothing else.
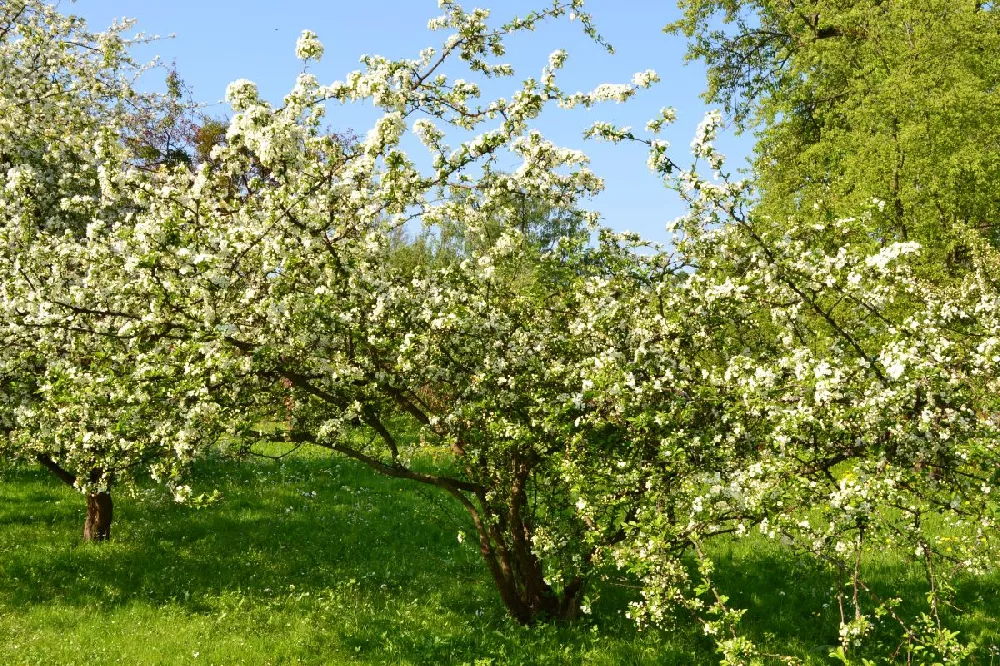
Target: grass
(315, 560)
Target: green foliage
(210, 133)
(859, 102)
(794, 369)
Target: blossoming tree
(585, 401)
(214, 294)
(843, 402)
(67, 107)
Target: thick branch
(394, 470)
(51, 465)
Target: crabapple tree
(266, 275)
(68, 106)
(843, 401)
(591, 399)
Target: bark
(48, 463)
(517, 572)
(504, 535)
(100, 509)
(528, 598)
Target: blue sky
(218, 41)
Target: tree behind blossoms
(592, 402)
(860, 101)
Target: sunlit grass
(315, 560)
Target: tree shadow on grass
(365, 569)
(791, 606)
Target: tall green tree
(858, 102)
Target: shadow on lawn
(373, 567)
(791, 605)
(248, 541)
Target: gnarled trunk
(502, 523)
(524, 590)
(100, 509)
(505, 544)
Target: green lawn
(315, 560)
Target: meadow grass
(315, 560)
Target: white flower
(895, 368)
(557, 59)
(308, 46)
(645, 79)
(888, 254)
(242, 94)
(706, 132)
(611, 92)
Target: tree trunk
(523, 590)
(100, 508)
(528, 598)
(517, 573)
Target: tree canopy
(891, 102)
(590, 399)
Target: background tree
(162, 130)
(449, 241)
(863, 101)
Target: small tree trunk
(99, 513)
(100, 508)
(529, 599)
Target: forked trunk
(528, 597)
(100, 509)
(505, 544)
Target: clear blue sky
(218, 41)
